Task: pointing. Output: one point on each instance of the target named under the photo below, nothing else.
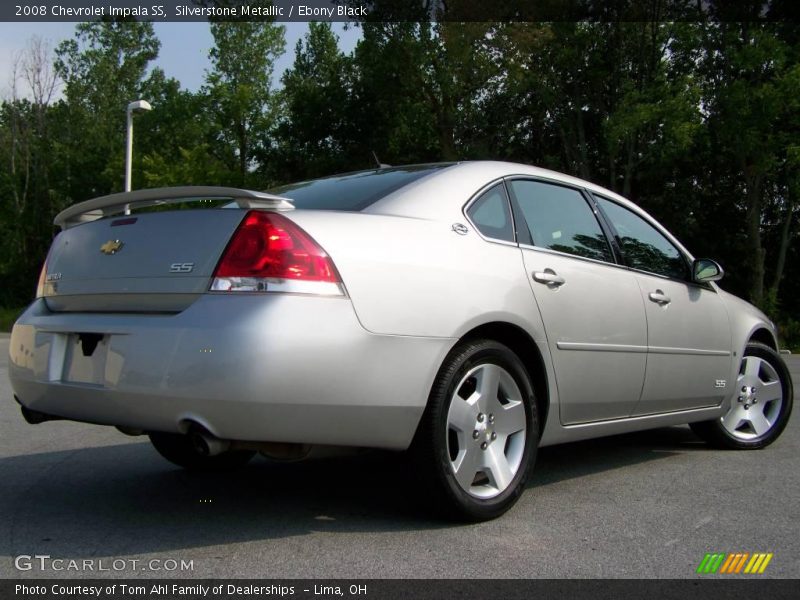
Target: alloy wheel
(486, 430)
(759, 398)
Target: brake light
(42, 278)
(270, 253)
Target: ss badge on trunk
(181, 267)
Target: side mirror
(705, 270)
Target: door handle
(660, 297)
(549, 277)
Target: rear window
(353, 191)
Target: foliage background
(695, 120)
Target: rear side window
(559, 218)
(491, 215)
(353, 191)
(645, 248)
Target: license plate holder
(85, 358)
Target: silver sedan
(469, 312)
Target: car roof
(442, 195)
(435, 195)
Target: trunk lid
(147, 262)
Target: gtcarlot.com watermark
(45, 562)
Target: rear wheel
(478, 437)
(179, 450)
(760, 407)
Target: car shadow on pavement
(567, 461)
(125, 500)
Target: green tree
(390, 117)
(600, 100)
(104, 68)
(420, 84)
(29, 141)
(239, 86)
(750, 80)
(177, 143)
(314, 136)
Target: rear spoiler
(97, 208)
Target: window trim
(686, 262)
(475, 197)
(590, 204)
(607, 228)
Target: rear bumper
(277, 368)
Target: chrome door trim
(692, 351)
(593, 347)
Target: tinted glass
(559, 218)
(491, 215)
(644, 246)
(353, 191)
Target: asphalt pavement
(642, 505)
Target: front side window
(491, 215)
(645, 247)
(559, 218)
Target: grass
(789, 333)
(8, 316)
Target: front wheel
(478, 437)
(760, 407)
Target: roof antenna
(378, 162)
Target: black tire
(178, 449)
(717, 435)
(434, 441)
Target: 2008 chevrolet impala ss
(471, 312)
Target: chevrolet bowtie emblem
(111, 247)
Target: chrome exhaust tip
(206, 444)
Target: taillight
(270, 253)
(42, 278)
